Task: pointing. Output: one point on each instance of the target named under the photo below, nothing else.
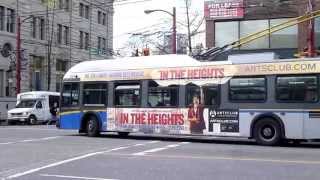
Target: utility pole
(18, 49)
(174, 34)
(311, 38)
(188, 24)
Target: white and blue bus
(178, 95)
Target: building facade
(230, 20)
(55, 35)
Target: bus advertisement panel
(174, 121)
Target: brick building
(72, 30)
(254, 15)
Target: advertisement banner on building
(223, 9)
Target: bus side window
(127, 94)
(162, 96)
(210, 94)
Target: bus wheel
(123, 134)
(32, 120)
(93, 127)
(267, 132)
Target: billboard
(224, 9)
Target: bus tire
(93, 127)
(123, 134)
(32, 120)
(267, 132)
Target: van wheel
(123, 134)
(93, 127)
(267, 132)
(32, 120)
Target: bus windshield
(26, 103)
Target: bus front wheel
(267, 132)
(93, 127)
(32, 120)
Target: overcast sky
(130, 18)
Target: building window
(127, 95)
(95, 94)
(81, 10)
(297, 89)
(84, 40)
(2, 18)
(226, 32)
(81, 40)
(286, 38)
(99, 17)
(59, 34)
(10, 20)
(99, 43)
(42, 29)
(162, 96)
(34, 27)
(84, 10)
(66, 35)
(37, 72)
(61, 69)
(103, 18)
(67, 5)
(250, 27)
(247, 89)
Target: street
(44, 152)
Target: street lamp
(174, 26)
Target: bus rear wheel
(93, 127)
(267, 132)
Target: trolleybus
(178, 95)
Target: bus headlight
(26, 113)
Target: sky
(130, 18)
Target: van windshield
(26, 103)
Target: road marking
(30, 140)
(159, 149)
(69, 160)
(74, 177)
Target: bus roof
(134, 63)
(182, 69)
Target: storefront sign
(223, 9)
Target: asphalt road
(43, 152)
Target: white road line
(74, 177)
(67, 161)
(30, 140)
(159, 149)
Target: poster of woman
(195, 116)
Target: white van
(34, 107)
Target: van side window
(95, 94)
(127, 94)
(39, 105)
(162, 96)
(70, 94)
